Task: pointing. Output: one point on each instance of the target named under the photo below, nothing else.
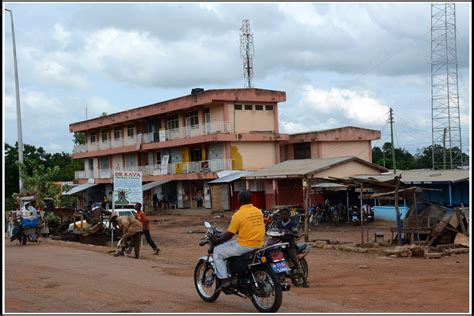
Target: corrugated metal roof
(425, 176)
(302, 167)
(80, 188)
(231, 177)
(153, 184)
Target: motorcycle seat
(245, 257)
(301, 246)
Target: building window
(105, 135)
(192, 118)
(91, 164)
(158, 158)
(117, 133)
(238, 107)
(248, 107)
(269, 107)
(172, 122)
(259, 107)
(130, 130)
(92, 137)
(302, 150)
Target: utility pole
(18, 109)
(394, 163)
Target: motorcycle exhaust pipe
(285, 287)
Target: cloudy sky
(340, 64)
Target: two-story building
(181, 144)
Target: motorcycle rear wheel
(267, 281)
(298, 280)
(206, 290)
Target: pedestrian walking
(141, 216)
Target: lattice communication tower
(246, 51)
(446, 127)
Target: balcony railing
(113, 143)
(159, 136)
(186, 132)
(212, 165)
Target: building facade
(181, 144)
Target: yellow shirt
(248, 223)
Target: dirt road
(69, 277)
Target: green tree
(79, 138)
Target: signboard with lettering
(127, 187)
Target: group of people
(247, 222)
(130, 226)
(28, 211)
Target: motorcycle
(255, 275)
(26, 229)
(369, 215)
(317, 215)
(270, 217)
(277, 236)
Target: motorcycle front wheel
(314, 221)
(205, 281)
(298, 280)
(267, 297)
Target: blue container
(30, 223)
(388, 213)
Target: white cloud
(61, 35)
(360, 107)
(46, 119)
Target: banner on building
(164, 164)
(127, 187)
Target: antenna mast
(246, 51)
(446, 126)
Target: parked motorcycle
(255, 275)
(279, 236)
(26, 229)
(369, 215)
(270, 217)
(317, 215)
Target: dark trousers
(149, 240)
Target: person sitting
(287, 224)
(248, 222)
(129, 227)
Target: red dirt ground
(60, 276)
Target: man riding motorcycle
(129, 227)
(287, 224)
(248, 223)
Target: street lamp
(18, 110)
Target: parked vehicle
(319, 214)
(255, 275)
(279, 236)
(26, 229)
(270, 217)
(369, 214)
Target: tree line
(405, 160)
(40, 169)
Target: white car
(122, 210)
